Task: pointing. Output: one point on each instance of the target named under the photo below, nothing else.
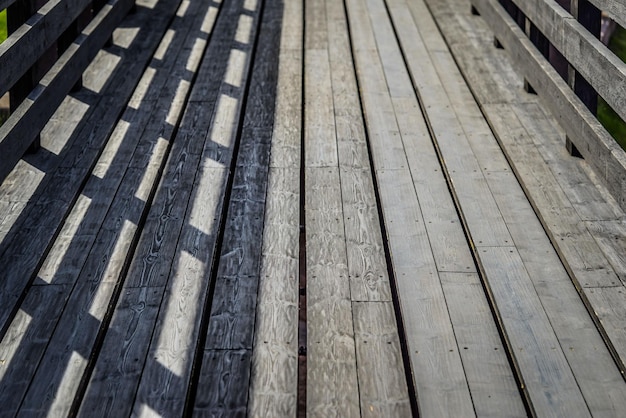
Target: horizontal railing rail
(590, 63)
(44, 58)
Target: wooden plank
(547, 380)
(610, 238)
(366, 260)
(382, 384)
(25, 340)
(574, 175)
(479, 211)
(481, 348)
(449, 244)
(195, 243)
(422, 304)
(228, 398)
(75, 259)
(332, 386)
(577, 247)
(437, 368)
(274, 369)
(599, 379)
(138, 305)
(273, 386)
(52, 389)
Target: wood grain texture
(548, 380)
(332, 386)
(437, 372)
(382, 383)
(600, 381)
(445, 231)
(224, 396)
(274, 375)
(193, 226)
(469, 186)
(481, 348)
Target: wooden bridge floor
(267, 207)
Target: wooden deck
(282, 208)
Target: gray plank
(424, 313)
(448, 241)
(274, 368)
(548, 380)
(481, 349)
(382, 383)
(332, 386)
(600, 381)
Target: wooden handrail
(602, 69)
(24, 47)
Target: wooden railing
(50, 44)
(540, 25)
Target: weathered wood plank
(481, 349)
(423, 309)
(600, 381)
(577, 247)
(440, 380)
(332, 386)
(382, 384)
(274, 374)
(273, 387)
(548, 380)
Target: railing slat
(32, 115)
(22, 49)
(593, 141)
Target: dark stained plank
(195, 175)
(62, 186)
(72, 261)
(231, 370)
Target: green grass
(607, 116)
(3, 25)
